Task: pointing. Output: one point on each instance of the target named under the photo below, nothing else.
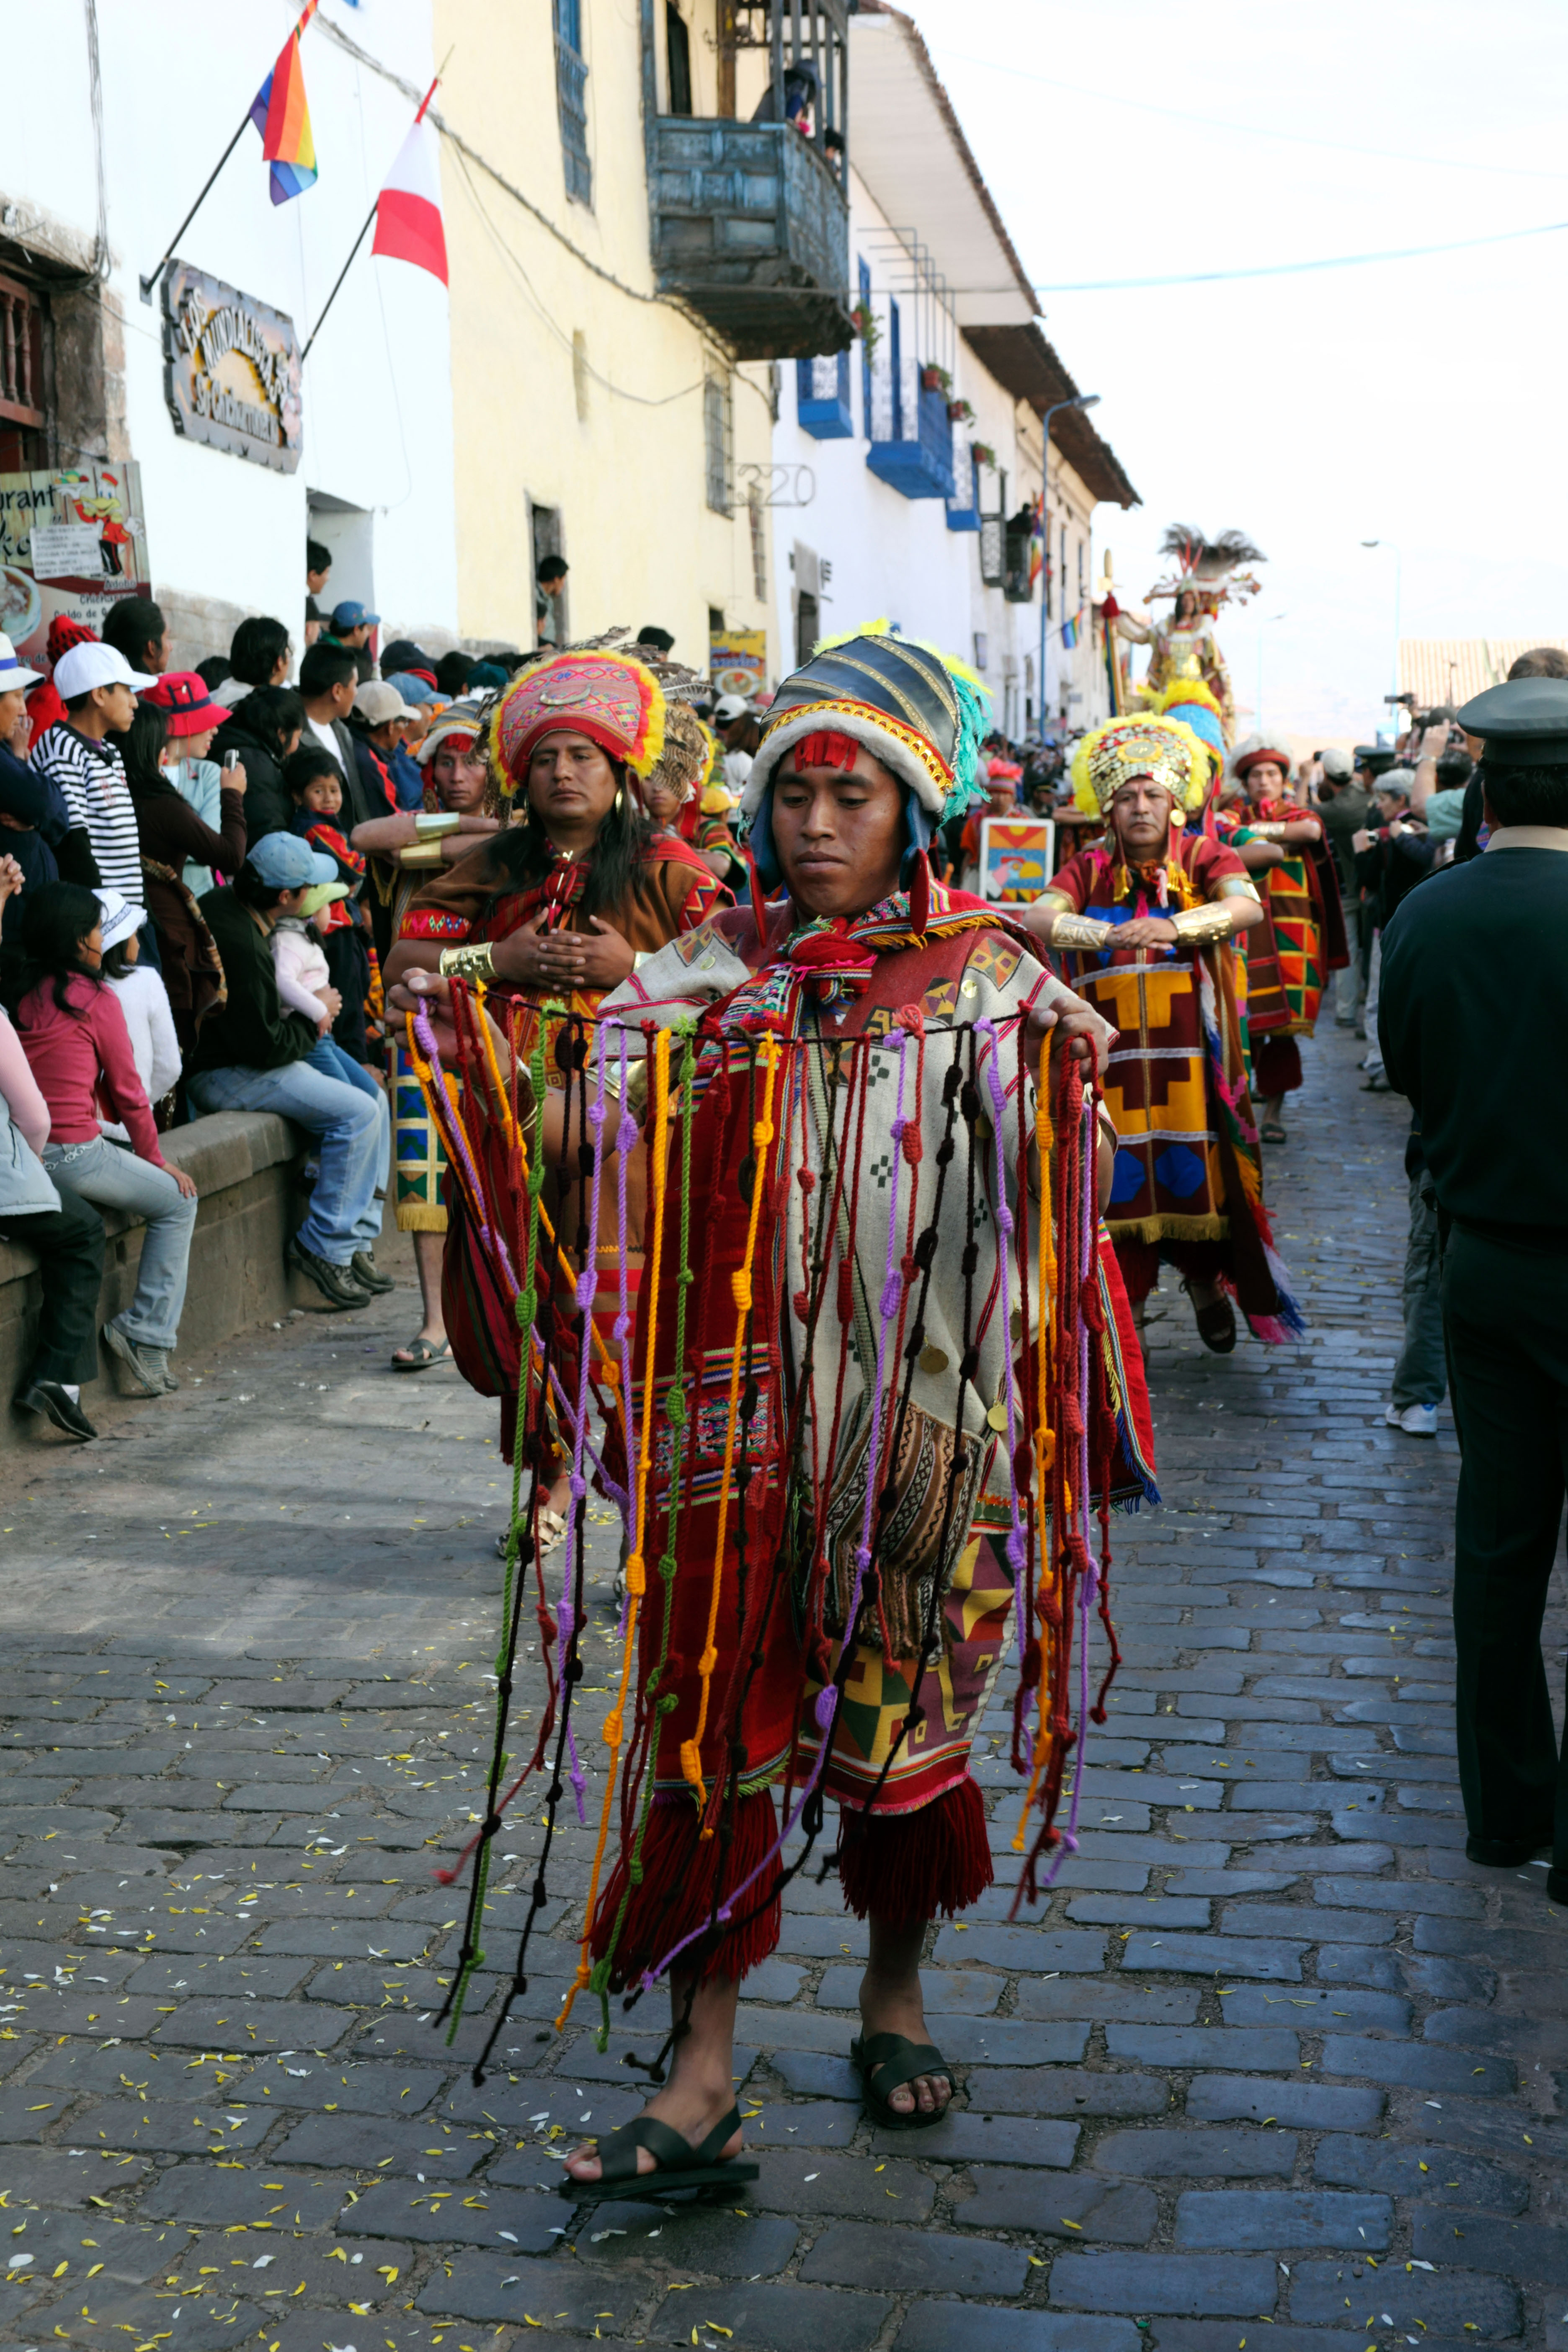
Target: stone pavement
(1274, 2067)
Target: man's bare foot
(701, 2091)
(897, 2008)
(687, 2109)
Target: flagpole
(365, 232)
(148, 283)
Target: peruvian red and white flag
(408, 210)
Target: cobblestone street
(1274, 2067)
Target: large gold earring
(620, 798)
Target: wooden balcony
(752, 227)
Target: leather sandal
(877, 2061)
(418, 1354)
(1216, 1322)
(677, 2164)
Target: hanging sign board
(231, 369)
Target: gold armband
(1080, 932)
(430, 825)
(1201, 926)
(467, 963)
(424, 852)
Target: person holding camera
(1390, 857)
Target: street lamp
(1398, 566)
(1078, 400)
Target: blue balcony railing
(821, 397)
(923, 467)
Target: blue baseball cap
(412, 689)
(353, 617)
(285, 861)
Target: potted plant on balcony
(936, 379)
(868, 326)
(983, 454)
(959, 412)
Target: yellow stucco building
(627, 261)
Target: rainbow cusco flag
(283, 115)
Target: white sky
(1419, 402)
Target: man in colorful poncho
(1144, 922)
(1301, 939)
(824, 1514)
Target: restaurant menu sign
(231, 369)
(72, 541)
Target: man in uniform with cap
(1473, 1010)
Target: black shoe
(50, 1398)
(369, 1275)
(1505, 1853)
(339, 1285)
(1557, 1886)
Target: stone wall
(246, 1165)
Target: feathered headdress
(1210, 568)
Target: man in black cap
(1473, 1012)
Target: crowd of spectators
(186, 927)
(198, 886)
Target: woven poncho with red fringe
(878, 1381)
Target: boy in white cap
(99, 689)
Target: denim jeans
(112, 1177)
(1421, 1375)
(328, 1056)
(345, 1213)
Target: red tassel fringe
(676, 1895)
(909, 1866)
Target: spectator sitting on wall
(351, 625)
(74, 1034)
(316, 790)
(262, 732)
(318, 563)
(65, 1234)
(660, 640)
(254, 1054)
(306, 985)
(452, 674)
(136, 628)
(262, 654)
(34, 825)
(549, 586)
(99, 690)
(144, 1001)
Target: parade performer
(1185, 648)
(1144, 922)
(689, 795)
(1301, 938)
(847, 1426)
(462, 809)
(561, 904)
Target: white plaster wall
(377, 409)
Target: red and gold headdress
(615, 701)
